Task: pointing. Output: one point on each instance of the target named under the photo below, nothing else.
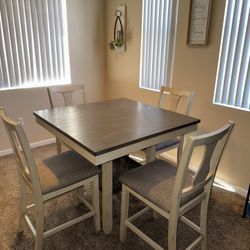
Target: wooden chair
(172, 191)
(49, 179)
(177, 101)
(67, 92)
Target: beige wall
(194, 69)
(86, 45)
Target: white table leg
(150, 154)
(58, 146)
(107, 192)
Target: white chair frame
(141, 156)
(29, 178)
(67, 92)
(214, 143)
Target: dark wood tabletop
(101, 127)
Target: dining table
(107, 130)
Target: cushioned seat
(64, 169)
(155, 181)
(166, 144)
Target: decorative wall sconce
(119, 41)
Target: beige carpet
(227, 229)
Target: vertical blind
(157, 43)
(233, 75)
(33, 43)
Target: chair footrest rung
(143, 236)
(191, 224)
(68, 224)
(138, 214)
(28, 221)
(195, 243)
(85, 202)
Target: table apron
(114, 154)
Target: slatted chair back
(67, 92)
(178, 100)
(214, 144)
(27, 169)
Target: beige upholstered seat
(173, 191)
(155, 182)
(173, 100)
(63, 170)
(50, 178)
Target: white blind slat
(63, 34)
(240, 36)
(30, 41)
(53, 37)
(13, 42)
(58, 37)
(25, 41)
(41, 32)
(19, 40)
(8, 46)
(4, 63)
(223, 51)
(156, 44)
(47, 38)
(231, 52)
(244, 62)
(233, 77)
(160, 34)
(36, 40)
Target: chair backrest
(179, 101)
(27, 169)
(214, 144)
(67, 92)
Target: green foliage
(116, 44)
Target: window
(157, 43)
(233, 74)
(33, 43)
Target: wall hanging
(119, 34)
(199, 17)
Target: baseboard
(32, 145)
(219, 182)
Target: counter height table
(104, 131)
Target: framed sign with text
(199, 17)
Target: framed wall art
(199, 18)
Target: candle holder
(119, 30)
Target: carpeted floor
(227, 229)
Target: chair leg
(39, 226)
(180, 149)
(124, 213)
(203, 223)
(75, 195)
(23, 204)
(172, 232)
(95, 202)
(58, 146)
